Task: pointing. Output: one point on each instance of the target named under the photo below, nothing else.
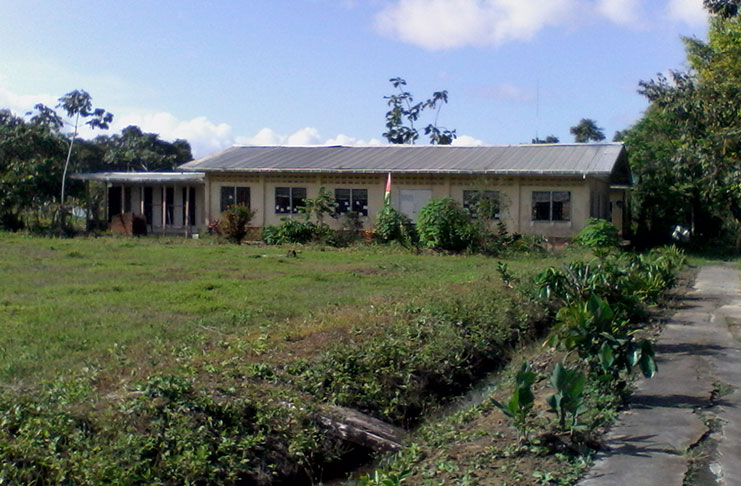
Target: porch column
(123, 198)
(164, 207)
(88, 209)
(186, 223)
(141, 200)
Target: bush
(391, 225)
(234, 222)
(598, 233)
(11, 221)
(444, 225)
(290, 231)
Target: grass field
(71, 303)
(125, 360)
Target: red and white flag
(387, 196)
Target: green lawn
(66, 304)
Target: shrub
(391, 225)
(444, 225)
(234, 222)
(11, 221)
(598, 233)
(290, 231)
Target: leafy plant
(320, 206)
(568, 401)
(520, 405)
(506, 275)
(594, 331)
(403, 112)
(379, 478)
(234, 222)
(289, 231)
(598, 233)
(443, 224)
(391, 225)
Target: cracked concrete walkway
(697, 352)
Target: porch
(149, 202)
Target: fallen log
(361, 429)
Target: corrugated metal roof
(143, 177)
(551, 159)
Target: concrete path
(698, 385)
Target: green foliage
(627, 281)
(433, 350)
(520, 405)
(136, 150)
(598, 233)
(234, 222)
(391, 225)
(568, 401)
(31, 164)
(165, 432)
(443, 224)
(548, 139)
(594, 331)
(320, 206)
(587, 131)
(379, 478)
(294, 231)
(684, 151)
(402, 115)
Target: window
(485, 202)
(289, 199)
(551, 206)
(234, 196)
(355, 200)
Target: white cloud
(690, 12)
(622, 12)
(303, 136)
(347, 140)
(445, 24)
(203, 135)
(21, 104)
(467, 141)
(449, 24)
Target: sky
(305, 72)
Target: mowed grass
(67, 304)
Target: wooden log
(361, 429)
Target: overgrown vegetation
(684, 152)
(591, 353)
(220, 370)
(234, 222)
(444, 225)
(598, 234)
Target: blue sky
(316, 71)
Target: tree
(548, 139)
(686, 149)
(401, 117)
(135, 150)
(587, 131)
(31, 155)
(77, 104)
(723, 8)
